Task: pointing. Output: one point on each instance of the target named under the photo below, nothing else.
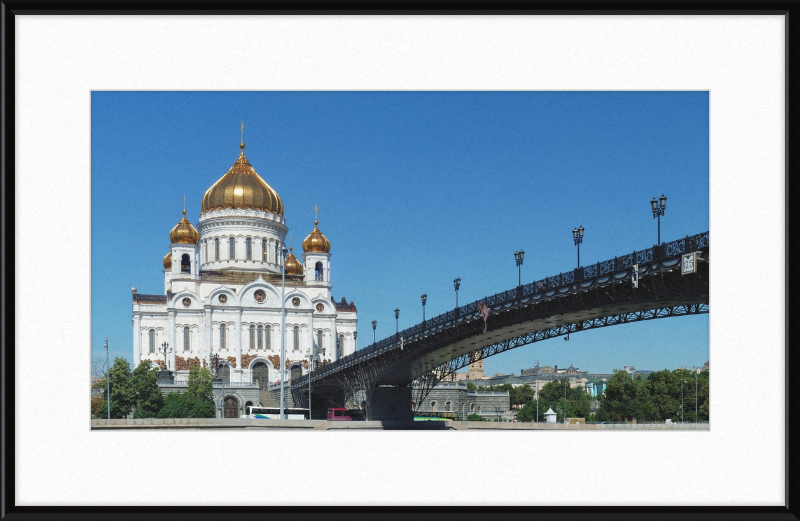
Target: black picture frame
(790, 9)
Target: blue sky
(414, 189)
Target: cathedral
(222, 291)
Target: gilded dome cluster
(293, 266)
(167, 262)
(184, 233)
(242, 187)
(316, 242)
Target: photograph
(251, 251)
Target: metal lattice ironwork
(662, 292)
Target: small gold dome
(316, 242)
(293, 266)
(168, 261)
(242, 187)
(184, 232)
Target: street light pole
(457, 284)
(282, 416)
(374, 325)
(108, 381)
(682, 380)
(396, 321)
(166, 349)
(565, 400)
(519, 256)
(424, 300)
(577, 237)
(310, 361)
(658, 208)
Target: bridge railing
(655, 253)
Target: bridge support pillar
(390, 404)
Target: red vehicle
(339, 414)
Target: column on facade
(311, 336)
(207, 338)
(137, 339)
(171, 339)
(238, 338)
(335, 341)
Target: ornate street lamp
(424, 301)
(108, 381)
(165, 349)
(310, 362)
(658, 208)
(355, 340)
(214, 358)
(396, 321)
(519, 256)
(457, 284)
(577, 237)
(374, 325)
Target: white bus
(273, 413)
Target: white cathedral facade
(222, 291)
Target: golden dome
(293, 266)
(168, 261)
(184, 232)
(242, 187)
(316, 242)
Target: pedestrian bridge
(396, 372)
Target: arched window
(319, 341)
(252, 337)
(185, 263)
(249, 248)
(222, 336)
(232, 243)
(297, 338)
(186, 345)
(413, 406)
(471, 407)
(479, 409)
(264, 250)
(433, 406)
(152, 334)
(260, 337)
(216, 249)
(340, 346)
(318, 271)
(267, 344)
(447, 406)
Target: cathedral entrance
(231, 409)
(261, 374)
(296, 372)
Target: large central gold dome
(242, 187)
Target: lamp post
(537, 393)
(214, 357)
(577, 237)
(108, 381)
(165, 349)
(682, 380)
(566, 381)
(396, 320)
(695, 395)
(457, 284)
(355, 340)
(424, 301)
(374, 325)
(519, 256)
(310, 361)
(658, 208)
(282, 416)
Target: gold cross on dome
(242, 132)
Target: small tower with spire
(317, 256)
(183, 260)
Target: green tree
(200, 384)
(528, 412)
(176, 405)
(147, 397)
(121, 392)
(474, 418)
(471, 387)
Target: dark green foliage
(471, 386)
(184, 405)
(147, 396)
(202, 409)
(121, 391)
(200, 383)
(656, 398)
(474, 418)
